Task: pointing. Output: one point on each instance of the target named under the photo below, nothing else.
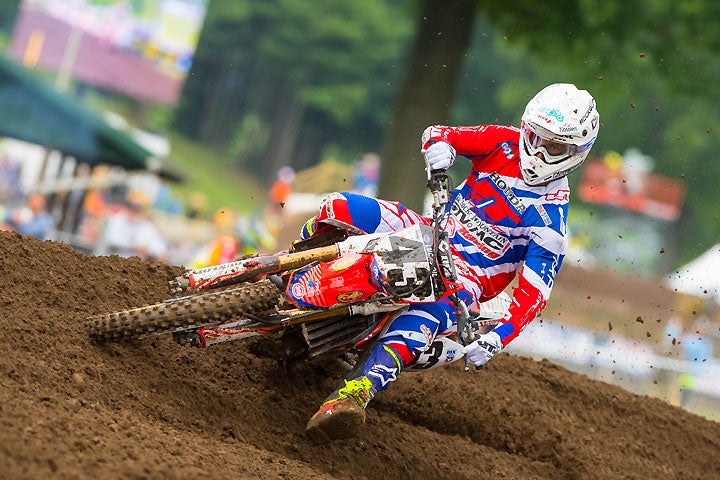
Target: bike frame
(361, 275)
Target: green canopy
(33, 111)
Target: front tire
(185, 312)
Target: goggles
(553, 151)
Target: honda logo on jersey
(507, 191)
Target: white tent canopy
(700, 277)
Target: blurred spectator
(251, 237)
(672, 335)
(223, 220)
(75, 199)
(222, 249)
(279, 195)
(281, 189)
(197, 205)
(669, 381)
(254, 235)
(32, 219)
(97, 195)
(367, 174)
(94, 206)
(10, 190)
(129, 232)
(697, 348)
(164, 201)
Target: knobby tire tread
(171, 315)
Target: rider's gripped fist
(483, 349)
(439, 156)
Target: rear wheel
(185, 312)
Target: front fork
(465, 327)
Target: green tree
(425, 95)
(282, 81)
(301, 71)
(9, 10)
(633, 56)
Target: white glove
(483, 349)
(439, 156)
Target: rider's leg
(342, 414)
(360, 214)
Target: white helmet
(559, 126)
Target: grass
(206, 172)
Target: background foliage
(285, 82)
(280, 81)
(292, 82)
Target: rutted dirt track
(152, 409)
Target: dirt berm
(152, 409)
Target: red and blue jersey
(500, 226)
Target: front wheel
(186, 312)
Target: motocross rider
(507, 217)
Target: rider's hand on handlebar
(439, 156)
(483, 349)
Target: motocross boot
(342, 414)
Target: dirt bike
(326, 300)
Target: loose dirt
(153, 409)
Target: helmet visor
(552, 150)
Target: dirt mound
(153, 409)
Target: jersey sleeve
(546, 251)
(468, 141)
